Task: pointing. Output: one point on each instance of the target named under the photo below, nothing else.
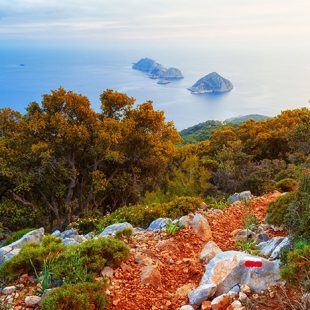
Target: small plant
(217, 203)
(248, 246)
(172, 229)
(250, 221)
(86, 296)
(126, 233)
(45, 280)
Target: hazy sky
(236, 22)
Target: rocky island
(211, 83)
(157, 71)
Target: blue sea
(265, 81)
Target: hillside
(203, 131)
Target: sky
(221, 22)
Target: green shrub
(182, 206)
(287, 185)
(248, 246)
(126, 233)
(17, 216)
(79, 263)
(32, 256)
(17, 235)
(82, 296)
(84, 225)
(296, 265)
(217, 203)
(278, 209)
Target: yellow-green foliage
(84, 225)
(17, 235)
(142, 216)
(82, 296)
(278, 209)
(287, 185)
(37, 254)
(296, 265)
(126, 233)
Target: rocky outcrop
(229, 268)
(158, 224)
(13, 249)
(112, 229)
(157, 71)
(209, 251)
(243, 196)
(273, 247)
(211, 83)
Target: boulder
(210, 250)
(8, 290)
(201, 293)
(112, 229)
(68, 233)
(243, 196)
(276, 252)
(185, 220)
(266, 248)
(229, 268)
(56, 233)
(69, 241)
(262, 237)
(233, 198)
(32, 301)
(184, 290)
(158, 224)
(151, 275)
(201, 227)
(211, 83)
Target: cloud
(151, 20)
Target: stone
(8, 290)
(234, 291)
(187, 307)
(69, 241)
(151, 275)
(112, 229)
(233, 198)
(185, 220)
(159, 224)
(201, 293)
(79, 238)
(236, 304)
(56, 233)
(266, 248)
(276, 252)
(32, 301)
(221, 302)
(206, 305)
(68, 233)
(243, 297)
(245, 289)
(107, 272)
(211, 83)
(262, 237)
(229, 268)
(184, 290)
(245, 196)
(201, 227)
(210, 250)
(241, 235)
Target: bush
(182, 206)
(296, 265)
(83, 296)
(84, 225)
(278, 209)
(142, 216)
(217, 203)
(287, 185)
(17, 216)
(32, 256)
(17, 235)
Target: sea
(266, 81)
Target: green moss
(83, 296)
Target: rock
(69, 241)
(245, 289)
(185, 220)
(187, 307)
(56, 233)
(243, 196)
(79, 238)
(151, 275)
(210, 250)
(276, 252)
(241, 235)
(206, 305)
(107, 272)
(201, 293)
(158, 224)
(243, 297)
(68, 233)
(157, 71)
(221, 302)
(201, 227)
(32, 301)
(211, 83)
(234, 291)
(233, 198)
(236, 304)
(184, 290)
(112, 229)
(8, 290)
(229, 268)
(263, 237)
(266, 248)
